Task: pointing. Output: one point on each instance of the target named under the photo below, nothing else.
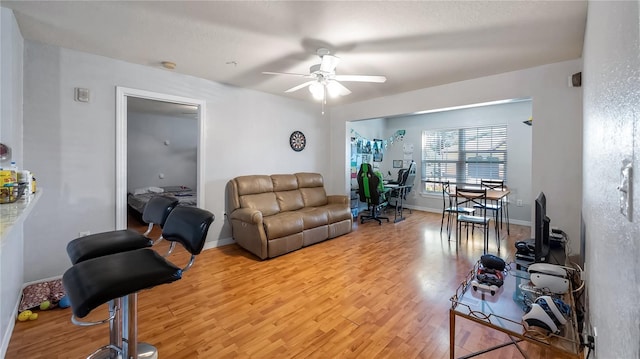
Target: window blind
(464, 155)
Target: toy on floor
(27, 315)
(64, 302)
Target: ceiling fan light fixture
(333, 89)
(317, 90)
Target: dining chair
(449, 207)
(473, 198)
(500, 207)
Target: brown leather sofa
(277, 214)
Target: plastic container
(10, 190)
(24, 177)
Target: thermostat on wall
(82, 95)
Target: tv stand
(557, 255)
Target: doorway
(125, 98)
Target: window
(463, 155)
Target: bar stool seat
(96, 281)
(102, 244)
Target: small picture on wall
(397, 163)
(377, 157)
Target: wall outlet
(84, 233)
(519, 203)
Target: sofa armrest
(338, 199)
(248, 231)
(248, 215)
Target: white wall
(11, 247)
(71, 145)
(611, 98)
(556, 139)
(519, 148)
(148, 157)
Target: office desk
(399, 207)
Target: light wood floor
(378, 292)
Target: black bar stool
(80, 249)
(96, 281)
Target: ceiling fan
(324, 79)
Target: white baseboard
(41, 281)
(439, 210)
(219, 243)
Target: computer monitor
(542, 244)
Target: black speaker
(575, 80)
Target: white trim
(219, 243)
(439, 210)
(121, 144)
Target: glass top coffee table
(503, 312)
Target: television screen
(542, 222)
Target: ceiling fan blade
(296, 88)
(285, 73)
(360, 78)
(343, 91)
(329, 63)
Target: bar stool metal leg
(130, 346)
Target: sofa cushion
(283, 224)
(309, 180)
(254, 184)
(314, 197)
(289, 200)
(263, 202)
(314, 217)
(284, 182)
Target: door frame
(122, 93)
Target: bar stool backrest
(188, 226)
(158, 208)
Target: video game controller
(493, 289)
(488, 279)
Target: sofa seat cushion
(337, 212)
(313, 217)
(283, 224)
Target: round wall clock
(297, 141)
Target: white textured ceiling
(415, 44)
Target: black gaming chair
(369, 191)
